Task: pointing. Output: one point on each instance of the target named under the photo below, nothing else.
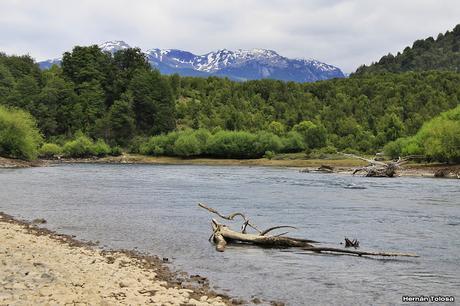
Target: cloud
(340, 32)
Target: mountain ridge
(238, 65)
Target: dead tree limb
(359, 253)
(222, 235)
(231, 217)
(379, 168)
(270, 241)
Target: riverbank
(341, 165)
(40, 267)
(167, 160)
(19, 163)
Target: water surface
(153, 208)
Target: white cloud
(340, 32)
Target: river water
(154, 208)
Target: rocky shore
(40, 267)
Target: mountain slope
(425, 54)
(237, 65)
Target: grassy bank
(274, 162)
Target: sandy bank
(18, 163)
(343, 166)
(39, 267)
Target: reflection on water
(153, 209)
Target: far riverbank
(341, 165)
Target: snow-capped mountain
(114, 46)
(237, 65)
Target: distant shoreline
(342, 166)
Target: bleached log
(222, 235)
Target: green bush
(222, 144)
(323, 153)
(81, 146)
(314, 135)
(267, 141)
(293, 142)
(187, 145)
(136, 144)
(269, 154)
(100, 148)
(438, 139)
(49, 150)
(155, 145)
(231, 144)
(19, 136)
(116, 151)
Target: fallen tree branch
(359, 253)
(222, 235)
(276, 227)
(223, 232)
(231, 217)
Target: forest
(98, 104)
(442, 53)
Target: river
(153, 208)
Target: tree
(277, 128)
(6, 82)
(390, 128)
(19, 136)
(127, 61)
(121, 120)
(91, 99)
(313, 135)
(153, 102)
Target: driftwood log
(223, 235)
(379, 168)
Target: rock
(39, 221)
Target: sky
(344, 33)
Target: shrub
(323, 153)
(277, 128)
(49, 150)
(314, 135)
(155, 145)
(438, 139)
(136, 143)
(116, 151)
(293, 142)
(19, 136)
(267, 141)
(231, 144)
(100, 148)
(187, 145)
(269, 154)
(81, 146)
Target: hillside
(442, 53)
(119, 99)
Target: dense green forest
(442, 53)
(97, 103)
(438, 139)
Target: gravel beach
(39, 267)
